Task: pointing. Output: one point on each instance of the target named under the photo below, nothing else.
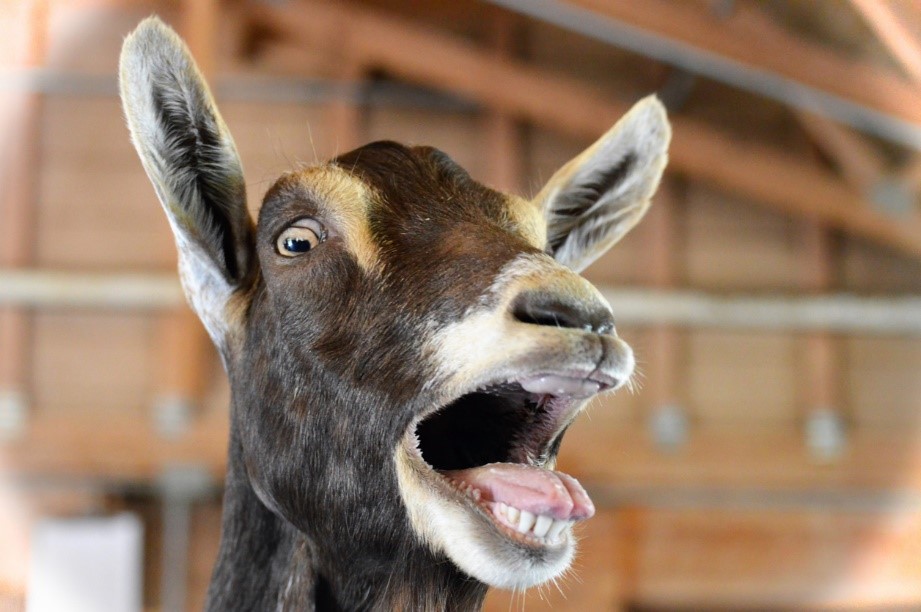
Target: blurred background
(770, 456)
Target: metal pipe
(270, 90)
(702, 497)
(842, 313)
(711, 65)
(46, 289)
(834, 313)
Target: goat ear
(193, 165)
(596, 198)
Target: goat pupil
(296, 245)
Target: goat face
(406, 347)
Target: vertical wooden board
(87, 37)
(731, 245)
(741, 377)
(760, 559)
(97, 209)
(98, 362)
(204, 539)
(883, 381)
(869, 268)
(455, 133)
(275, 137)
(87, 130)
(545, 153)
(592, 583)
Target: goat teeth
(542, 525)
(525, 521)
(557, 528)
(512, 513)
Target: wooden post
(503, 144)
(821, 393)
(19, 162)
(668, 419)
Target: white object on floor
(86, 565)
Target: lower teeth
(526, 523)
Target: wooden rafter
(893, 33)
(749, 37)
(415, 53)
(861, 166)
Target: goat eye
(299, 238)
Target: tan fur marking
(347, 200)
(529, 219)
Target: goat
(405, 348)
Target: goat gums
(405, 347)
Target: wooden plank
(762, 174)
(114, 447)
(749, 37)
(734, 458)
(619, 464)
(709, 559)
(895, 35)
(860, 164)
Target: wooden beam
(861, 165)
(416, 53)
(113, 448)
(901, 42)
(749, 37)
(736, 456)
(742, 458)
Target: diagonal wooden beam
(861, 166)
(893, 33)
(904, 46)
(747, 36)
(417, 54)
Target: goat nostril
(550, 310)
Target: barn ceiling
(808, 108)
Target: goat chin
(470, 540)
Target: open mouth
(494, 450)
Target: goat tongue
(528, 488)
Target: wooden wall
(741, 515)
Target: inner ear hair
(588, 194)
(592, 201)
(185, 147)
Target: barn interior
(769, 454)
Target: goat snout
(555, 310)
